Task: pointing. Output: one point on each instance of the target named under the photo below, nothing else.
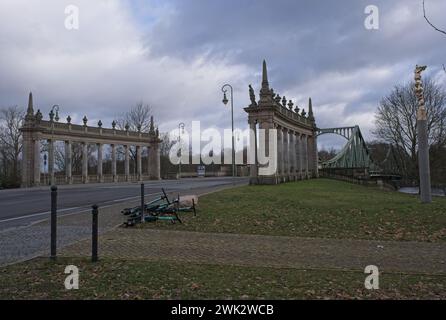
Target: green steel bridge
(355, 157)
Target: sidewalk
(267, 251)
(20, 244)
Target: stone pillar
(113, 164)
(286, 154)
(316, 157)
(149, 163)
(36, 162)
(127, 163)
(100, 172)
(264, 151)
(279, 153)
(154, 162)
(253, 170)
(51, 162)
(84, 162)
(305, 153)
(301, 156)
(27, 159)
(138, 162)
(310, 155)
(68, 162)
(292, 155)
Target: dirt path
(268, 251)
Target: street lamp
(225, 102)
(180, 130)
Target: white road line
(74, 208)
(37, 214)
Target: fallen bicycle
(159, 209)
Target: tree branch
(430, 23)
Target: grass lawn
(119, 279)
(317, 208)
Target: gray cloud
(175, 55)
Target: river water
(415, 190)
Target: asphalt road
(21, 207)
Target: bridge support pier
(292, 128)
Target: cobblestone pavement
(20, 244)
(24, 243)
(268, 251)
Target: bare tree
(325, 155)
(137, 118)
(432, 25)
(429, 22)
(11, 140)
(396, 121)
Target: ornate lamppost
(225, 102)
(423, 144)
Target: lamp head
(225, 99)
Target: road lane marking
(37, 214)
(74, 208)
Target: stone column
(154, 162)
(301, 157)
(292, 155)
(127, 163)
(310, 155)
(84, 162)
(264, 151)
(68, 162)
(305, 153)
(27, 159)
(51, 161)
(279, 152)
(286, 154)
(100, 172)
(149, 162)
(316, 157)
(138, 162)
(253, 170)
(113, 164)
(36, 162)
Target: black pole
(142, 202)
(94, 242)
(53, 222)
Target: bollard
(94, 242)
(142, 203)
(53, 222)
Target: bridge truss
(355, 153)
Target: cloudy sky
(175, 55)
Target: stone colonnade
(35, 129)
(296, 144)
(296, 154)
